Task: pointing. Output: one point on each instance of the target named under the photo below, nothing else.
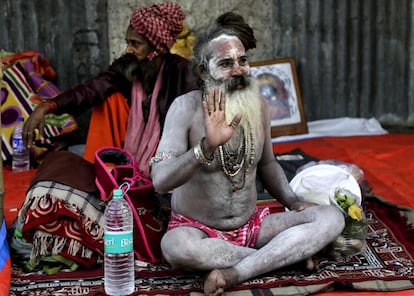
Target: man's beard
(245, 101)
(144, 71)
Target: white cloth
(337, 127)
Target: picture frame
(279, 86)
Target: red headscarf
(159, 24)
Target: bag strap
(104, 179)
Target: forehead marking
(227, 45)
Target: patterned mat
(386, 265)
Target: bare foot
(218, 280)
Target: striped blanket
(58, 227)
(23, 83)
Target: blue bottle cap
(117, 193)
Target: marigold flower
(355, 212)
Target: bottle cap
(117, 193)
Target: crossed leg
(285, 239)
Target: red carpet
(387, 265)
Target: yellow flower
(355, 212)
(183, 46)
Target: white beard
(248, 134)
(247, 103)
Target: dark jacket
(177, 80)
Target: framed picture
(278, 85)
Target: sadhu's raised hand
(218, 131)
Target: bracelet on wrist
(51, 105)
(199, 154)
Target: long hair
(236, 22)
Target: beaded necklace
(235, 164)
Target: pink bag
(114, 168)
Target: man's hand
(218, 131)
(36, 121)
(301, 205)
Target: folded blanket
(61, 226)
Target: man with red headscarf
(132, 96)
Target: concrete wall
(72, 34)
(200, 14)
(354, 57)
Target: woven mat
(386, 265)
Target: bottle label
(118, 242)
(18, 144)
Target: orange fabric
(15, 187)
(107, 126)
(5, 278)
(40, 62)
(387, 160)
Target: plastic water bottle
(119, 275)
(21, 154)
